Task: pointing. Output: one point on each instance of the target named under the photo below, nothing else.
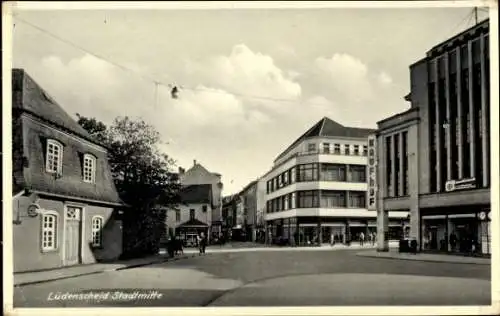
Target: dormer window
(89, 166)
(54, 156)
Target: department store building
(433, 160)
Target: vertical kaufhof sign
(372, 173)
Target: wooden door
(73, 233)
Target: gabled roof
(196, 193)
(248, 186)
(193, 223)
(327, 127)
(28, 96)
(33, 99)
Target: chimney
(194, 162)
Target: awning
(193, 223)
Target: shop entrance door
(433, 238)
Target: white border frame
(394, 310)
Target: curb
(137, 265)
(424, 260)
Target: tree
(143, 177)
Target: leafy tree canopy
(143, 175)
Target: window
(357, 199)
(97, 224)
(54, 156)
(336, 149)
(308, 172)
(333, 172)
(356, 150)
(326, 148)
(311, 147)
(347, 149)
(308, 199)
(480, 125)
(293, 175)
(177, 215)
(293, 200)
(286, 205)
(365, 150)
(49, 232)
(191, 214)
(358, 173)
(204, 208)
(89, 166)
(280, 180)
(468, 128)
(285, 178)
(332, 199)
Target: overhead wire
(156, 82)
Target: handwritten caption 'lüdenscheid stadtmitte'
(105, 296)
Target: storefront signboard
(464, 184)
(372, 172)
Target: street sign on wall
(457, 185)
(372, 173)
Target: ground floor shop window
(456, 233)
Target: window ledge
(49, 250)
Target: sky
(251, 80)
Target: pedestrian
(202, 242)
(374, 238)
(453, 241)
(332, 239)
(361, 238)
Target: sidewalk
(25, 278)
(394, 254)
(252, 247)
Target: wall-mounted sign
(456, 185)
(33, 210)
(482, 216)
(372, 173)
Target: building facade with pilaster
(434, 159)
(317, 188)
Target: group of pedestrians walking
(371, 239)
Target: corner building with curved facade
(318, 188)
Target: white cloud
(210, 121)
(347, 75)
(248, 73)
(384, 78)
